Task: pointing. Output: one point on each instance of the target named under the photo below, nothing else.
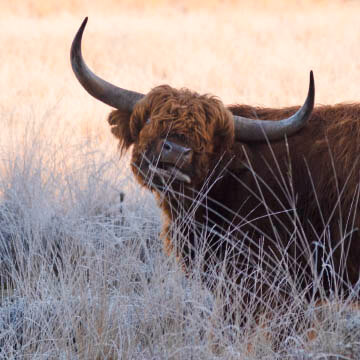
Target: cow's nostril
(167, 146)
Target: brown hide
(291, 201)
(320, 167)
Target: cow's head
(176, 133)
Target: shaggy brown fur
(291, 203)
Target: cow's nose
(167, 146)
(171, 152)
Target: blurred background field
(255, 52)
(61, 176)
(43, 7)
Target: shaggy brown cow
(248, 188)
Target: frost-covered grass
(83, 274)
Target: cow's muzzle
(174, 154)
(173, 162)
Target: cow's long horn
(257, 130)
(100, 89)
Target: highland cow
(246, 187)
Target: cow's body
(297, 196)
(318, 183)
(239, 194)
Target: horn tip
(312, 77)
(311, 92)
(83, 24)
(75, 51)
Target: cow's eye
(148, 121)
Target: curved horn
(100, 89)
(257, 130)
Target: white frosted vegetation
(83, 273)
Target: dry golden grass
(257, 53)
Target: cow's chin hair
(171, 173)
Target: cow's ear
(119, 120)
